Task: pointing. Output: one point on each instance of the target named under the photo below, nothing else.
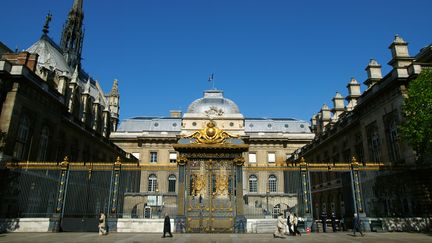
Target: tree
(417, 127)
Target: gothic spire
(48, 18)
(72, 35)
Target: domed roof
(213, 103)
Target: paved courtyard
(213, 238)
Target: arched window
(253, 183)
(152, 183)
(272, 183)
(22, 138)
(43, 144)
(171, 183)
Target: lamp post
(157, 201)
(267, 197)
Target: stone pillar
(115, 183)
(306, 194)
(180, 219)
(357, 195)
(240, 219)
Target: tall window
(43, 144)
(374, 144)
(172, 183)
(271, 157)
(272, 183)
(173, 157)
(252, 158)
(390, 123)
(153, 157)
(152, 183)
(22, 138)
(253, 183)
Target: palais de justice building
(270, 141)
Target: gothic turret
(114, 105)
(73, 35)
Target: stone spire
(374, 73)
(114, 105)
(73, 35)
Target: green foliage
(417, 128)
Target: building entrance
(210, 182)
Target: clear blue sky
(274, 58)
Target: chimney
(175, 113)
(338, 106)
(325, 116)
(374, 73)
(353, 94)
(399, 51)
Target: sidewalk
(213, 238)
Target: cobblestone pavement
(213, 238)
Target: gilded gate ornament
(211, 135)
(222, 185)
(198, 184)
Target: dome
(213, 103)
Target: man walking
(324, 221)
(167, 226)
(357, 225)
(289, 219)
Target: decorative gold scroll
(211, 135)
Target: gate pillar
(180, 220)
(306, 196)
(115, 183)
(55, 222)
(357, 195)
(240, 219)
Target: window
(272, 183)
(271, 157)
(390, 124)
(43, 144)
(153, 157)
(172, 183)
(253, 183)
(173, 157)
(22, 137)
(152, 183)
(252, 157)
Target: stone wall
(40, 225)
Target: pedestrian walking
(167, 226)
(333, 221)
(324, 221)
(295, 223)
(102, 224)
(357, 225)
(289, 224)
(279, 233)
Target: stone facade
(270, 141)
(367, 128)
